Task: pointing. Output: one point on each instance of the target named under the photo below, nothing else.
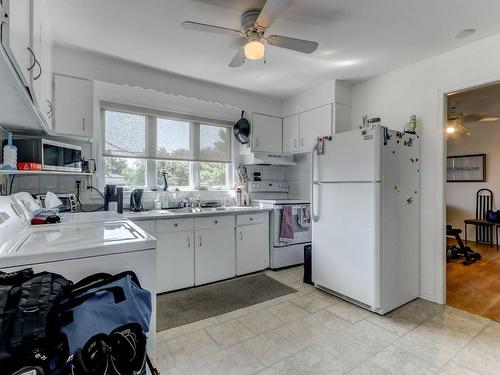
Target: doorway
(472, 194)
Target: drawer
(147, 225)
(251, 218)
(174, 225)
(214, 222)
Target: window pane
(172, 139)
(125, 172)
(213, 174)
(177, 173)
(215, 144)
(125, 134)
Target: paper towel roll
(51, 200)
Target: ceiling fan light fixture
(450, 130)
(254, 50)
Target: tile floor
(476, 287)
(311, 332)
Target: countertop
(185, 213)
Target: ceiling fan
(254, 25)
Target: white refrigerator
(365, 208)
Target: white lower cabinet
(215, 255)
(205, 249)
(252, 243)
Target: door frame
(440, 216)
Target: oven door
(301, 228)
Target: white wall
(461, 196)
(417, 89)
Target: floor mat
(190, 305)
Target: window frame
(151, 117)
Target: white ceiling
(357, 38)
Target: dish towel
(286, 230)
(304, 217)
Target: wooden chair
(484, 228)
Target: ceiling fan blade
(300, 45)
(271, 11)
(210, 28)
(238, 59)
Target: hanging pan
(241, 129)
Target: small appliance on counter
(113, 198)
(9, 154)
(136, 200)
(68, 202)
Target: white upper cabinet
(18, 36)
(291, 134)
(267, 133)
(315, 123)
(73, 106)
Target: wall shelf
(57, 173)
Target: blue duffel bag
(99, 304)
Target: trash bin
(308, 265)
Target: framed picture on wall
(466, 168)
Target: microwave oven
(52, 155)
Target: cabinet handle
(83, 124)
(176, 224)
(189, 241)
(251, 219)
(295, 143)
(216, 222)
(39, 70)
(50, 113)
(241, 236)
(256, 143)
(302, 142)
(201, 241)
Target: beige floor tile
(233, 314)
(418, 311)
(453, 368)
(394, 324)
(287, 312)
(368, 368)
(478, 360)
(236, 360)
(400, 362)
(191, 346)
(349, 312)
(441, 334)
(310, 302)
(488, 340)
(260, 321)
(344, 348)
(430, 351)
(371, 334)
(461, 321)
(164, 357)
(196, 326)
(169, 334)
(302, 333)
(326, 296)
(325, 320)
(229, 333)
(270, 347)
(308, 362)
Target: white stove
(286, 250)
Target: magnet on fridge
(409, 200)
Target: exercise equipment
(454, 252)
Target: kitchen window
(139, 147)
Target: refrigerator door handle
(314, 216)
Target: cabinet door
(73, 106)
(315, 123)
(252, 248)
(291, 134)
(19, 35)
(267, 133)
(215, 255)
(175, 261)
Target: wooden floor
(475, 288)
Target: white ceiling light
(450, 130)
(465, 33)
(254, 50)
(489, 119)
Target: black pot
(241, 130)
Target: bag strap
(91, 279)
(4, 296)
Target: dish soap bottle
(9, 154)
(157, 202)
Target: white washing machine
(78, 250)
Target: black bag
(26, 312)
(493, 216)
